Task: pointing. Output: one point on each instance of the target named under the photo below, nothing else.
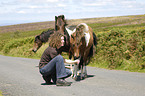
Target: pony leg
(85, 71)
(86, 61)
(75, 72)
(82, 71)
(71, 70)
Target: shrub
(116, 46)
(16, 43)
(2, 43)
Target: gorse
(15, 43)
(117, 48)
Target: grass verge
(1, 93)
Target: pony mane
(81, 32)
(81, 29)
(84, 27)
(78, 34)
(48, 31)
(46, 34)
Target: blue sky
(25, 11)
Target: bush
(2, 43)
(16, 43)
(117, 47)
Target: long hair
(55, 40)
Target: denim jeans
(56, 68)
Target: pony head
(77, 42)
(37, 43)
(60, 23)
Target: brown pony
(60, 26)
(82, 44)
(40, 39)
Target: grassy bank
(1, 93)
(121, 43)
(121, 50)
(19, 44)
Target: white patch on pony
(87, 38)
(69, 31)
(74, 30)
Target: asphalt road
(21, 77)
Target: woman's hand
(77, 61)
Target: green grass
(121, 50)
(19, 34)
(121, 43)
(1, 93)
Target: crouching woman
(51, 65)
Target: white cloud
(61, 5)
(23, 12)
(37, 1)
(94, 4)
(32, 7)
(51, 0)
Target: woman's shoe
(61, 82)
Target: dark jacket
(47, 56)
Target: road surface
(21, 77)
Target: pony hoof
(82, 78)
(85, 76)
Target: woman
(52, 65)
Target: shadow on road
(88, 76)
(47, 84)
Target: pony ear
(63, 17)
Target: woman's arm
(72, 61)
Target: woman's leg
(68, 72)
(60, 68)
(47, 79)
(57, 64)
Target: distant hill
(126, 20)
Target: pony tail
(94, 39)
(55, 23)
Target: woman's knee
(59, 57)
(44, 72)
